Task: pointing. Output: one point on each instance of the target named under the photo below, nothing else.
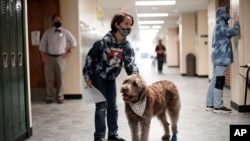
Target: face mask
(124, 32)
(57, 24)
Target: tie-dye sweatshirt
(222, 53)
(106, 58)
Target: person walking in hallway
(222, 57)
(55, 45)
(103, 64)
(160, 55)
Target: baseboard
(72, 96)
(173, 66)
(240, 108)
(202, 76)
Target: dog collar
(139, 107)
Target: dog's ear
(140, 81)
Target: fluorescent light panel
(156, 27)
(151, 22)
(144, 27)
(153, 15)
(169, 2)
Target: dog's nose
(124, 89)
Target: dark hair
(54, 16)
(118, 18)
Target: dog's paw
(174, 137)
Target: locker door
(14, 117)
(6, 73)
(1, 80)
(13, 67)
(21, 67)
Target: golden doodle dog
(142, 102)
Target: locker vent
(3, 7)
(19, 10)
(8, 125)
(12, 8)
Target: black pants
(160, 62)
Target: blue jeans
(215, 95)
(109, 107)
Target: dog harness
(139, 107)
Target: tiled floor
(73, 120)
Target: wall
(172, 47)
(73, 76)
(88, 15)
(91, 27)
(212, 6)
(187, 38)
(202, 44)
(241, 51)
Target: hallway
(74, 120)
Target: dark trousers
(160, 62)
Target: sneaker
(48, 101)
(115, 138)
(209, 108)
(222, 110)
(99, 139)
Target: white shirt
(56, 43)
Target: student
(222, 57)
(160, 55)
(103, 64)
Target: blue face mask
(124, 31)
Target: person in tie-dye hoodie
(222, 56)
(103, 64)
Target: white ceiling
(110, 7)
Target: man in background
(160, 55)
(54, 50)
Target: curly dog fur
(161, 97)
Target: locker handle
(13, 58)
(20, 59)
(5, 60)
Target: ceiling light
(169, 2)
(144, 27)
(175, 11)
(151, 22)
(153, 15)
(156, 27)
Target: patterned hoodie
(222, 53)
(106, 58)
